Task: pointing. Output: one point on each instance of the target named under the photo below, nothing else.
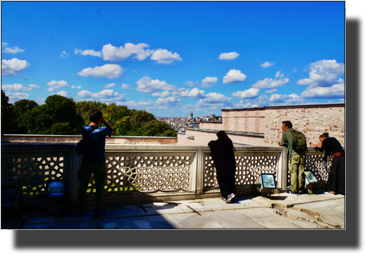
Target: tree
(57, 116)
(157, 128)
(22, 110)
(84, 108)
(39, 120)
(8, 116)
(64, 112)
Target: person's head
(286, 125)
(95, 115)
(323, 136)
(221, 134)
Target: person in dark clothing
(337, 176)
(93, 161)
(222, 152)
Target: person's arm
(315, 145)
(318, 147)
(106, 124)
(284, 141)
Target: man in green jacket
(296, 161)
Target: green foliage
(57, 116)
(22, 110)
(84, 108)
(39, 121)
(8, 116)
(63, 116)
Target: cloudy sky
(172, 58)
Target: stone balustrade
(145, 172)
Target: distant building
(191, 115)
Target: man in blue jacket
(93, 161)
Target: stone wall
(312, 120)
(129, 140)
(202, 138)
(239, 120)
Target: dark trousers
(337, 177)
(227, 185)
(84, 175)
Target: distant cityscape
(180, 124)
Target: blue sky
(170, 58)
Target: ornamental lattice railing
(164, 171)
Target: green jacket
(287, 141)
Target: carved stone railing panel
(313, 162)
(147, 173)
(248, 168)
(31, 170)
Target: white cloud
(109, 71)
(216, 99)
(163, 94)
(40, 100)
(247, 94)
(125, 86)
(294, 70)
(243, 104)
(62, 93)
(64, 54)
(109, 85)
(324, 81)
(195, 93)
(267, 64)
(14, 50)
(145, 84)
(57, 84)
(163, 56)
(270, 83)
(211, 80)
(335, 91)
(19, 87)
(88, 52)
(228, 56)
(271, 90)
(106, 95)
(234, 76)
(324, 73)
(13, 66)
(13, 97)
(78, 87)
(285, 99)
(119, 54)
(139, 52)
(189, 83)
(167, 102)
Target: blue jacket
(94, 143)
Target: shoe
(223, 199)
(79, 214)
(230, 197)
(292, 192)
(99, 214)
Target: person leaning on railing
(331, 146)
(93, 161)
(296, 160)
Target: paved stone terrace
(279, 211)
